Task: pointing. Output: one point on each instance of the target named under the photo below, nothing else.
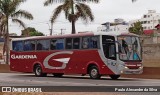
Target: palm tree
(9, 11)
(73, 9)
(136, 28)
(2, 30)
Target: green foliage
(30, 31)
(9, 11)
(35, 33)
(136, 28)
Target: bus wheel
(38, 71)
(114, 77)
(57, 74)
(94, 73)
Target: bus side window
(76, 43)
(109, 47)
(33, 45)
(53, 44)
(60, 44)
(68, 43)
(43, 44)
(85, 42)
(29, 45)
(39, 46)
(18, 45)
(94, 42)
(112, 51)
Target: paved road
(23, 79)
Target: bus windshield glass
(129, 48)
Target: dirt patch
(148, 72)
(151, 62)
(4, 68)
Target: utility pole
(51, 30)
(62, 31)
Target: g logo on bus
(62, 60)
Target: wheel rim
(38, 70)
(94, 73)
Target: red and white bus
(95, 54)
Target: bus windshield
(129, 48)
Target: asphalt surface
(23, 79)
(81, 84)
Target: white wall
(119, 28)
(101, 28)
(123, 28)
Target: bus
(93, 54)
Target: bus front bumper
(132, 71)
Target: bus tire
(114, 77)
(38, 71)
(94, 72)
(57, 74)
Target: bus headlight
(126, 67)
(140, 67)
(121, 72)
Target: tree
(31, 32)
(73, 9)
(36, 33)
(136, 28)
(9, 11)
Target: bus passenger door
(109, 50)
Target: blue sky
(106, 10)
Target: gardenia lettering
(23, 56)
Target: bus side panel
(83, 58)
(17, 63)
(75, 62)
(78, 63)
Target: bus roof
(75, 35)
